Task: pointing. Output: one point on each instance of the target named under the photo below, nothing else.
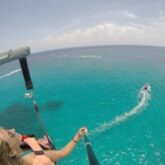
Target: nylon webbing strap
(91, 155)
(26, 73)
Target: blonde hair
(5, 152)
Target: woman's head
(11, 137)
(9, 146)
(6, 157)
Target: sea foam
(143, 101)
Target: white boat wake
(144, 97)
(10, 73)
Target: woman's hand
(29, 140)
(43, 142)
(81, 132)
(32, 142)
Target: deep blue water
(97, 87)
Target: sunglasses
(12, 133)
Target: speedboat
(146, 87)
(144, 90)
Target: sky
(53, 24)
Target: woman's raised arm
(58, 154)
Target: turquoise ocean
(97, 87)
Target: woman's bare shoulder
(27, 159)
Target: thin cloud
(109, 15)
(105, 33)
(130, 15)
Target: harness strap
(24, 153)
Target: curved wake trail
(10, 73)
(145, 96)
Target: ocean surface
(96, 87)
